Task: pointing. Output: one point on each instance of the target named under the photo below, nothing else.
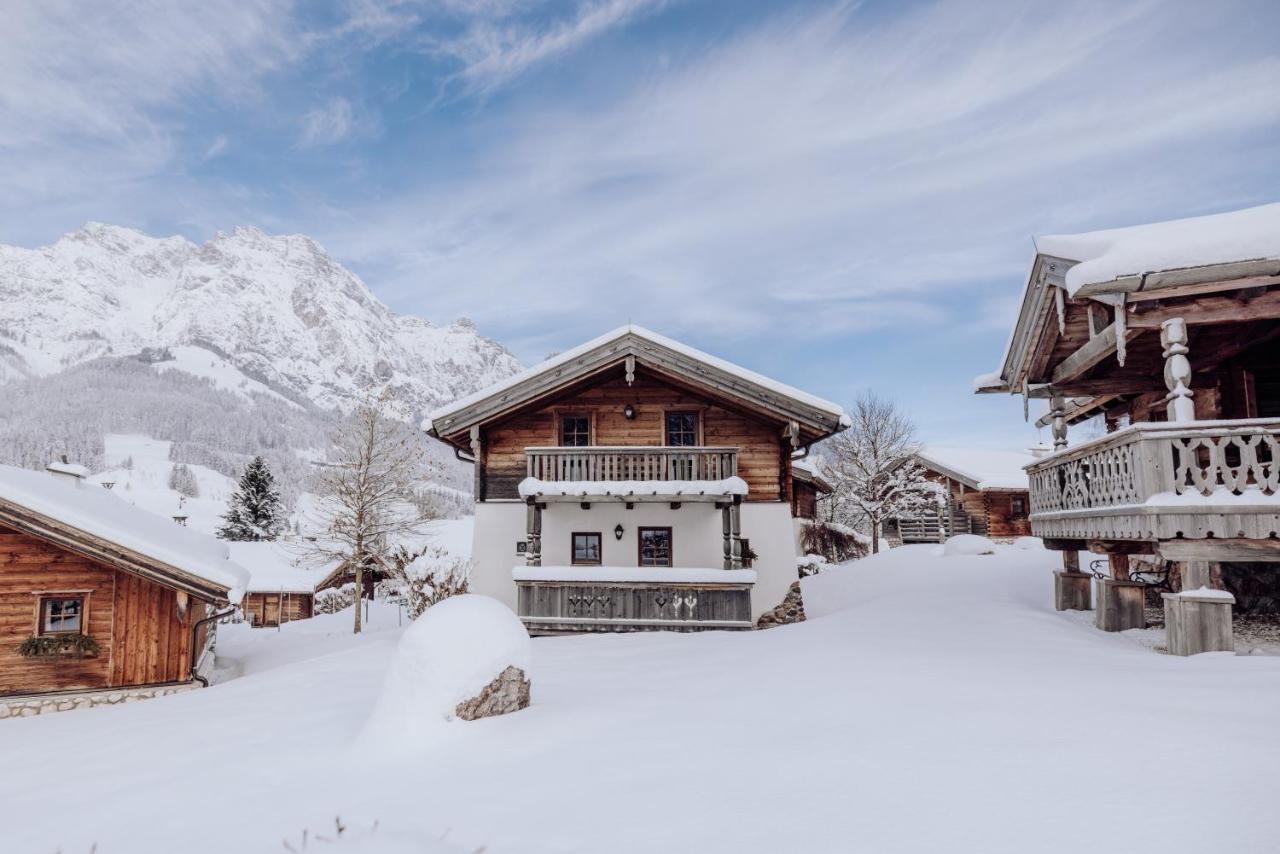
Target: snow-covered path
(932, 704)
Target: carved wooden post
(1177, 369)
(726, 522)
(533, 538)
(735, 533)
(1058, 412)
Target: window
(1019, 508)
(682, 429)
(586, 548)
(61, 615)
(575, 431)
(655, 546)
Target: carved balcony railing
(640, 463)
(1163, 481)
(548, 607)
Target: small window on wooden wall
(655, 546)
(575, 431)
(1018, 508)
(682, 429)
(61, 614)
(587, 548)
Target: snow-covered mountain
(278, 308)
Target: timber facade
(271, 609)
(1182, 365)
(635, 453)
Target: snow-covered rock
(1029, 544)
(279, 309)
(968, 544)
(445, 660)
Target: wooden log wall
(760, 443)
(142, 639)
(804, 500)
(1001, 521)
(263, 609)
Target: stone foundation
(1121, 605)
(1072, 591)
(790, 611)
(505, 694)
(43, 704)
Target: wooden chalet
(1169, 334)
(807, 487)
(983, 492)
(280, 588)
(98, 595)
(636, 483)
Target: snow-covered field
(931, 704)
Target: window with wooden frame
(655, 546)
(587, 548)
(62, 614)
(1017, 507)
(682, 429)
(575, 430)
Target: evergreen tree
(255, 511)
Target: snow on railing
(631, 463)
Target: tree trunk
(359, 599)
(875, 536)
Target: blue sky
(842, 195)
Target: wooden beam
(1121, 547)
(1214, 309)
(1092, 353)
(1244, 551)
(1203, 288)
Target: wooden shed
(281, 587)
(96, 594)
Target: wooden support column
(1072, 589)
(533, 535)
(1198, 619)
(477, 452)
(726, 524)
(1177, 370)
(1058, 416)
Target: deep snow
(929, 704)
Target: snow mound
(447, 656)
(968, 544)
(1029, 544)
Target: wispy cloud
(218, 147)
(327, 124)
(835, 166)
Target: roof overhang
(95, 548)
(626, 349)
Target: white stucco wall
(697, 541)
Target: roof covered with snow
(276, 567)
(647, 347)
(1251, 234)
(979, 468)
(57, 506)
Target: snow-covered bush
(1029, 544)
(335, 599)
(835, 542)
(446, 657)
(968, 544)
(426, 577)
(811, 564)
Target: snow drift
(446, 657)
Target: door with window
(681, 431)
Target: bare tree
(366, 489)
(873, 468)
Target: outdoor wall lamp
(617, 531)
(629, 412)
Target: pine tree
(255, 511)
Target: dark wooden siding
(135, 621)
(804, 501)
(761, 453)
(263, 609)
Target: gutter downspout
(463, 455)
(195, 632)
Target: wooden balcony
(571, 606)
(631, 463)
(1164, 481)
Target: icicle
(1026, 401)
(1121, 331)
(1060, 300)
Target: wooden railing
(575, 606)
(601, 463)
(1203, 472)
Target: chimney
(66, 471)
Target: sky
(841, 195)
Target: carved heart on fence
(660, 599)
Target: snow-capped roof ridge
(652, 337)
(980, 468)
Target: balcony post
(1072, 589)
(1198, 619)
(1177, 369)
(1058, 411)
(735, 522)
(533, 534)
